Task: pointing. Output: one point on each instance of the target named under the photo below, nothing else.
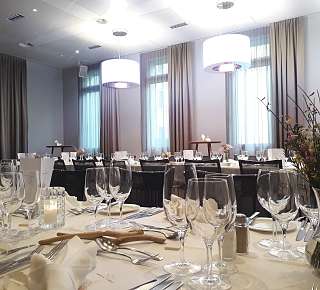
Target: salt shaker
(242, 233)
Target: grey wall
(45, 106)
(70, 106)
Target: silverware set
(14, 264)
(168, 233)
(106, 245)
(144, 213)
(90, 209)
(161, 282)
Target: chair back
(82, 165)
(245, 186)
(153, 165)
(59, 164)
(210, 165)
(118, 163)
(253, 167)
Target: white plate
(262, 224)
(127, 208)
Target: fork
(56, 250)
(135, 261)
(10, 266)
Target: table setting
(196, 241)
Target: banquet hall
(175, 141)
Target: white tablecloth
(257, 270)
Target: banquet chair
(82, 165)
(245, 186)
(59, 164)
(153, 165)
(211, 165)
(117, 163)
(253, 167)
(147, 188)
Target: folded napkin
(67, 272)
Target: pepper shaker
(242, 233)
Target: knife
(152, 283)
(302, 231)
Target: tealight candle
(50, 211)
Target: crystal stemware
(208, 210)
(174, 198)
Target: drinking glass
(174, 197)
(95, 185)
(32, 191)
(120, 184)
(9, 165)
(259, 155)
(223, 267)
(177, 156)
(208, 209)
(213, 155)
(11, 196)
(307, 199)
(282, 205)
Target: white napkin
(67, 272)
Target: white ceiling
(62, 26)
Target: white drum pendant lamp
(225, 53)
(120, 73)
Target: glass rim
(203, 179)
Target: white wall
(209, 101)
(45, 106)
(312, 52)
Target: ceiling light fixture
(25, 44)
(225, 53)
(102, 21)
(77, 51)
(120, 73)
(35, 10)
(224, 4)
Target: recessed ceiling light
(224, 4)
(61, 54)
(77, 51)
(35, 10)
(25, 44)
(102, 21)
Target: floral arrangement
(304, 139)
(226, 148)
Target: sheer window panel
(89, 111)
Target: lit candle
(50, 211)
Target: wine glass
(120, 184)
(95, 185)
(11, 196)
(32, 191)
(221, 264)
(282, 205)
(9, 165)
(174, 197)
(259, 155)
(307, 199)
(208, 209)
(177, 156)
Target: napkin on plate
(69, 269)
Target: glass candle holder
(52, 208)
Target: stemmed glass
(11, 196)
(208, 209)
(174, 198)
(222, 266)
(94, 189)
(281, 198)
(32, 191)
(259, 155)
(120, 184)
(307, 199)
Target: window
(89, 110)
(155, 101)
(249, 123)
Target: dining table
(256, 270)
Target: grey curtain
(287, 70)
(109, 121)
(13, 106)
(180, 96)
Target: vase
(226, 156)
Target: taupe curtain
(287, 71)
(180, 96)
(13, 106)
(109, 121)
